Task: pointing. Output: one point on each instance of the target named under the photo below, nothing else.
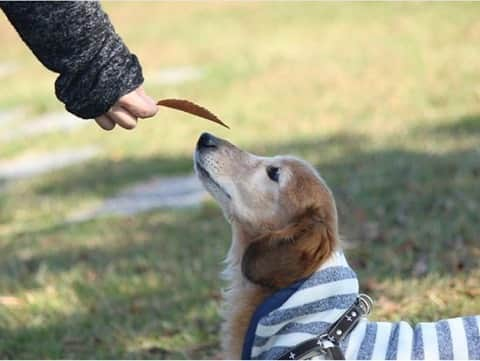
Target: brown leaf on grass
(387, 305)
(472, 293)
(372, 284)
(191, 108)
(10, 301)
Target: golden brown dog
(284, 226)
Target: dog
(289, 281)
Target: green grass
(382, 98)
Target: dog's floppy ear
(282, 257)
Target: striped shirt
(309, 307)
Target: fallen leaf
(10, 301)
(387, 305)
(371, 284)
(472, 293)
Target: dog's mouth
(205, 175)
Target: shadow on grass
(118, 325)
(150, 290)
(104, 176)
(155, 276)
(465, 125)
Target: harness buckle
(328, 344)
(325, 341)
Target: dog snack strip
(192, 108)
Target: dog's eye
(273, 173)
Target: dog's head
(282, 208)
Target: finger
(149, 100)
(139, 104)
(105, 122)
(122, 117)
(141, 91)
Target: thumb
(138, 103)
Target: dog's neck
(329, 290)
(242, 298)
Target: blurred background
(110, 249)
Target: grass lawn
(384, 99)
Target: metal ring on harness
(366, 303)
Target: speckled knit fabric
(77, 40)
(322, 298)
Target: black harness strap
(328, 344)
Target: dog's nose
(207, 140)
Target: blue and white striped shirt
(308, 308)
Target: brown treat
(192, 108)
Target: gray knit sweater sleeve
(77, 40)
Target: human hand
(126, 111)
